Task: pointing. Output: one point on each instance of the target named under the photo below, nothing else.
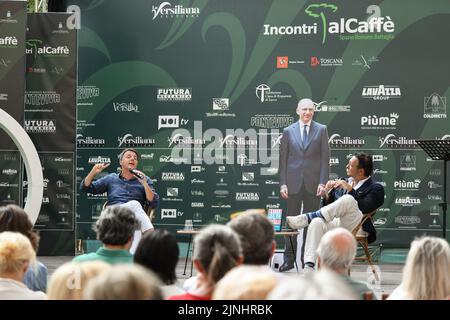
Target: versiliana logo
(165, 10)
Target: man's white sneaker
(297, 222)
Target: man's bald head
(337, 249)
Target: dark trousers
(294, 202)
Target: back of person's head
(321, 285)
(124, 282)
(337, 249)
(256, 234)
(16, 253)
(14, 218)
(116, 225)
(69, 280)
(246, 282)
(426, 275)
(158, 251)
(365, 162)
(217, 249)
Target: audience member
(16, 254)
(115, 229)
(124, 282)
(336, 252)
(217, 250)
(246, 282)
(158, 251)
(426, 275)
(69, 280)
(321, 285)
(15, 219)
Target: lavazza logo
(265, 94)
(377, 122)
(174, 94)
(99, 159)
(40, 126)
(381, 92)
(166, 10)
(407, 201)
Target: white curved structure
(32, 163)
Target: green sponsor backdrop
(13, 21)
(50, 121)
(211, 84)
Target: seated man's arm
(370, 201)
(99, 186)
(152, 198)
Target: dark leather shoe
(286, 267)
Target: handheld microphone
(137, 174)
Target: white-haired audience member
(336, 252)
(321, 285)
(217, 250)
(69, 280)
(246, 282)
(124, 282)
(16, 254)
(426, 275)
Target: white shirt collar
(302, 123)
(359, 184)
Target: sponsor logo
(326, 62)
(376, 122)
(220, 105)
(407, 162)
(434, 210)
(364, 62)
(381, 92)
(84, 142)
(197, 169)
(61, 184)
(282, 62)
(269, 121)
(375, 171)
(99, 159)
(391, 141)
(61, 29)
(197, 205)
(269, 171)
(34, 48)
(248, 176)
(125, 107)
(434, 197)
(435, 172)
(172, 192)
(179, 139)
(61, 159)
(197, 193)
(174, 94)
(8, 42)
(407, 201)
(87, 92)
(334, 161)
(128, 140)
(64, 172)
(9, 172)
(247, 196)
(265, 94)
(219, 205)
(103, 195)
(63, 196)
(373, 28)
(233, 141)
(147, 156)
(433, 185)
(172, 176)
(380, 222)
(168, 159)
(336, 141)
(168, 213)
(7, 18)
(40, 126)
(407, 185)
(38, 98)
(407, 220)
(197, 181)
(435, 107)
(272, 182)
(221, 193)
(221, 182)
(3, 97)
(171, 122)
(324, 107)
(166, 10)
(378, 157)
